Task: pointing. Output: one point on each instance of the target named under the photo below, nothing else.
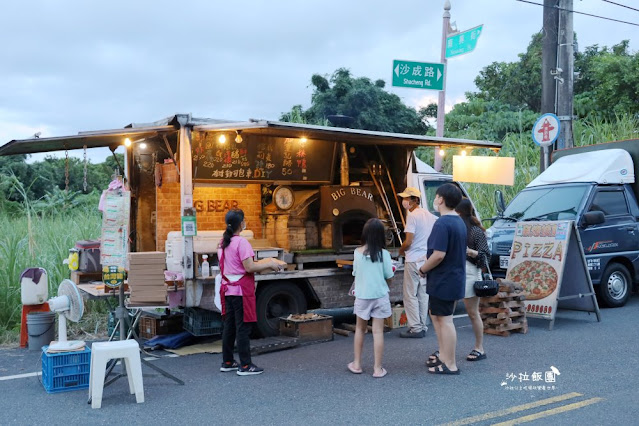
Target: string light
(463, 153)
(127, 142)
(238, 138)
(222, 139)
(303, 140)
(442, 152)
(143, 145)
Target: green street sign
(418, 75)
(464, 42)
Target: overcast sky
(68, 66)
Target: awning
(113, 138)
(103, 138)
(340, 134)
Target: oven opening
(349, 229)
(352, 232)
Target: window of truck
(611, 203)
(430, 188)
(547, 203)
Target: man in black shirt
(445, 268)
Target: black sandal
(475, 355)
(433, 360)
(443, 369)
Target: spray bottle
(206, 270)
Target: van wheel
(275, 301)
(614, 289)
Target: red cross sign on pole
(546, 130)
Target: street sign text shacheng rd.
(418, 75)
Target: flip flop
(379, 376)
(475, 355)
(443, 369)
(352, 369)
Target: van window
(611, 203)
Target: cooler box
(203, 242)
(89, 255)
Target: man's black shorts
(440, 307)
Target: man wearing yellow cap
(419, 224)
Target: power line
(581, 13)
(621, 5)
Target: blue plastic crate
(201, 322)
(66, 371)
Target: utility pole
(548, 65)
(441, 101)
(565, 74)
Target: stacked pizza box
(146, 277)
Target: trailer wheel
(278, 300)
(614, 289)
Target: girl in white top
(372, 268)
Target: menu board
(547, 260)
(114, 244)
(537, 263)
(262, 158)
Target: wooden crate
(308, 328)
(505, 312)
(84, 277)
(151, 326)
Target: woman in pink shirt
(237, 293)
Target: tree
(515, 84)
(608, 83)
(487, 119)
(366, 102)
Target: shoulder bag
(486, 287)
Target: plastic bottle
(206, 270)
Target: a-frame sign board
(548, 261)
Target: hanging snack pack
(89, 255)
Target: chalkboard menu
(261, 158)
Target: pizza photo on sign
(538, 279)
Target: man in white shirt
(419, 224)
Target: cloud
(72, 66)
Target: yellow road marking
(515, 409)
(551, 412)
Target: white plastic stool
(101, 353)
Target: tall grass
(51, 234)
(527, 156)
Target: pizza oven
(343, 212)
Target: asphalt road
(311, 385)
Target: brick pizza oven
(343, 212)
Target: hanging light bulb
(463, 153)
(222, 139)
(127, 142)
(442, 152)
(143, 145)
(238, 138)
(303, 140)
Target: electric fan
(68, 305)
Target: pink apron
(247, 283)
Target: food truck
(306, 192)
(596, 186)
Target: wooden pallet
(505, 312)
